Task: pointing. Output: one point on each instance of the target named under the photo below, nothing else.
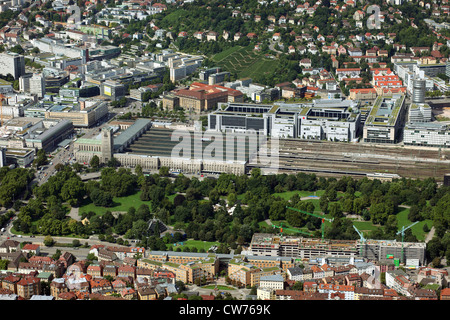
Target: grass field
(196, 243)
(417, 230)
(288, 194)
(218, 287)
(287, 229)
(121, 204)
(402, 220)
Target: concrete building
(107, 144)
(205, 74)
(430, 134)
(399, 281)
(418, 92)
(334, 120)
(419, 112)
(33, 84)
(58, 47)
(80, 115)
(13, 64)
(113, 89)
(385, 121)
(47, 134)
(307, 248)
(219, 77)
(201, 97)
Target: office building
(201, 97)
(152, 148)
(334, 120)
(418, 92)
(385, 120)
(113, 89)
(419, 112)
(218, 77)
(430, 134)
(13, 64)
(47, 134)
(33, 84)
(2, 157)
(58, 47)
(81, 115)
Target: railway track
(358, 160)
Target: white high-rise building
(24, 82)
(34, 84)
(37, 85)
(13, 64)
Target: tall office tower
(24, 82)
(37, 85)
(107, 144)
(418, 92)
(13, 64)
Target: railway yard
(359, 159)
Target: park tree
(164, 171)
(73, 191)
(95, 162)
(48, 241)
(101, 198)
(40, 159)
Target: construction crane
(290, 229)
(321, 217)
(402, 232)
(361, 237)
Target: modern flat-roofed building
(271, 245)
(419, 112)
(429, 134)
(21, 157)
(113, 89)
(79, 115)
(334, 120)
(385, 120)
(13, 64)
(47, 134)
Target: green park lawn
(288, 194)
(219, 287)
(195, 243)
(402, 220)
(417, 229)
(120, 204)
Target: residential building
(342, 291)
(274, 282)
(28, 286)
(399, 281)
